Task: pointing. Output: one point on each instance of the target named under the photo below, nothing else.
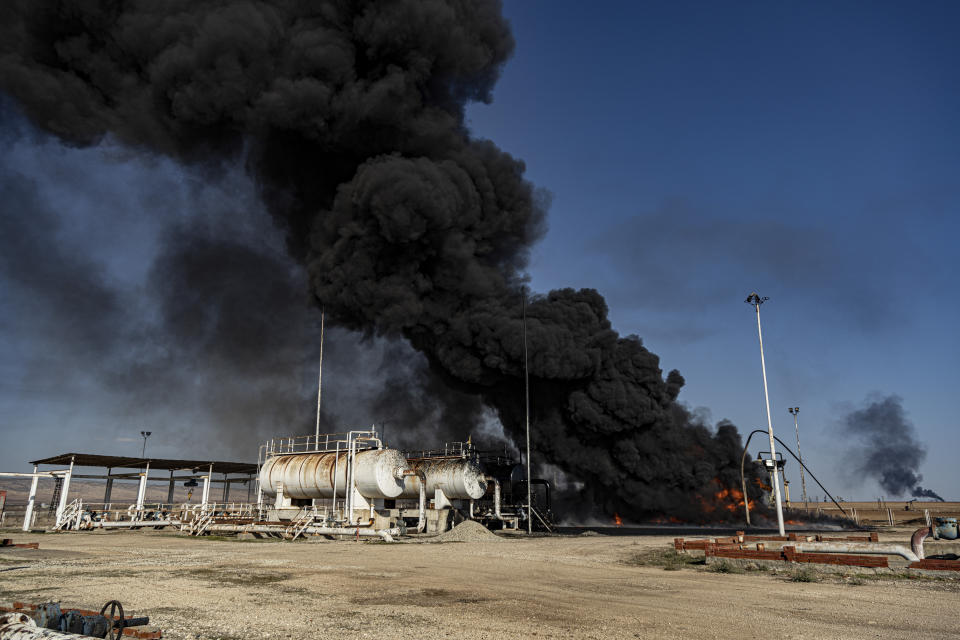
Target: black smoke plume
(350, 118)
(889, 450)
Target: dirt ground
(560, 587)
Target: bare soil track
(549, 587)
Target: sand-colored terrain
(562, 587)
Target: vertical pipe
(206, 488)
(336, 471)
(142, 489)
(496, 497)
(65, 491)
(173, 485)
(31, 501)
(803, 481)
(526, 396)
(226, 489)
(773, 453)
(316, 443)
(351, 484)
(108, 489)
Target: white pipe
(142, 489)
(856, 547)
(496, 497)
(120, 524)
(422, 511)
(206, 486)
(385, 534)
(351, 465)
(336, 472)
(916, 540)
(31, 500)
(64, 491)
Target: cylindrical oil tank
(379, 474)
(457, 478)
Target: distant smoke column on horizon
(350, 119)
(888, 450)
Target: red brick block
(936, 565)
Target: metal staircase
(300, 524)
(70, 513)
(199, 526)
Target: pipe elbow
(916, 540)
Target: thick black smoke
(214, 334)
(350, 117)
(889, 450)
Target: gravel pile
(468, 531)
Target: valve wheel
(114, 632)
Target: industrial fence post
(65, 491)
(28, 515)
(142, 489)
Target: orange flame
(728, 498)
(617, 520)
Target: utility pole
(316, 441)
(526, 394)
(755, 300)
(795, 411)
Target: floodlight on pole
(795, 411)
(755, 300)
(145, 434)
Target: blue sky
(694, 152)
(698, 151)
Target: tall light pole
(526, 396)
(145, 434)
(755, 300)
(795, 411)
(316, 440)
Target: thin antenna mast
(526, 394)
(316, 442)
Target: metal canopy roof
(125, 462)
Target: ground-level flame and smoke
(349, 117)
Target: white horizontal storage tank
(378, 474)
(458, 479)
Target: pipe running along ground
(385, 534)
(874, 548)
